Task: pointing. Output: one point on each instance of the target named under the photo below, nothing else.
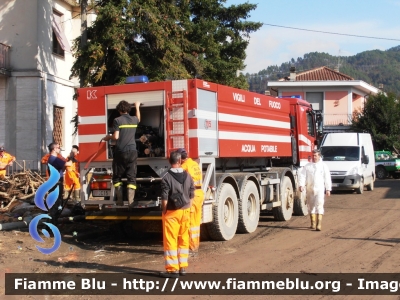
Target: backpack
(177, 200)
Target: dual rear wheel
(231, 215)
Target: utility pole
(84, 4)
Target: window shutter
(58, 113)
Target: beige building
(334, 94)
(36, 94)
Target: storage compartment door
(206, 123)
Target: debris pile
(17, 193)
(17, 196)
(21, 186)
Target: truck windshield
(335, 153)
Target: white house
(36, 94)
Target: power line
(78, 15)
(336, 33)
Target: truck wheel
(381, 172)
(225, 214)
(285, 211)
(360, 189)
(396, 176)
(249, 208)
(370, 187)
(300, 205)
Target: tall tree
(165, 39)
(84, 4)
(381, 118)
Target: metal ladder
(177, 122)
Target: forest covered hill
(374, 67)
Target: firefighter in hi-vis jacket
(193, 168)
(176, 219)
(6, 159)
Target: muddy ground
(360, 234)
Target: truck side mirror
(366, 159)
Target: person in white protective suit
(316, 179)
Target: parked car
(386, 164)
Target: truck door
(306, 133)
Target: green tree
(165, 39)
(381, 118)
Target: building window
(60, 42)
(56, 46)
(58, 121)
(316, 99)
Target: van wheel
(285, 211)
(225, 214)
(381, 172)
(300, 205)
(360, 189)
(370, 187)
(249, 208)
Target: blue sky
(273, 45)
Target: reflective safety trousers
(176, 238)
(195, 220)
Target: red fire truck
(249, 146)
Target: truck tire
(249, 208)
(360, 189)
(225, 214)
(285, 211)
(300, 205)
(381, 172)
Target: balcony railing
(4, 59)
(337, 119)
(23, 165)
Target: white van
(351, 160)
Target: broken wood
(10, 204)
(22, 185)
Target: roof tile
(322, 74)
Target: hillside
(374, 67)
